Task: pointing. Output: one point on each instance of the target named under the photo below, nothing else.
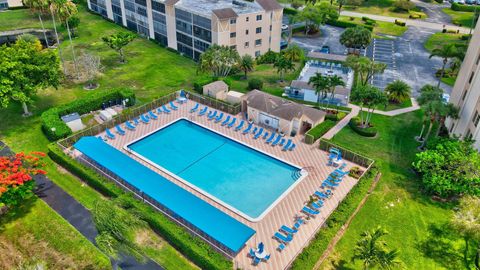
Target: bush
(345, 24)
(255, 83)
(200, 82)
(269, 57)
(195, 249)
(319, 130)
(403, 5)
(465, 8)
(366, 132)
(290, 11)
(415, 16)
(54, 128)
(400, 23)
(299, 29)
(439, 1)
(465, 37)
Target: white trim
(304, 173)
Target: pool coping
(303, 172)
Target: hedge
(465, 8)
(290, 11)
(54, 128)
(320, 129)
(192, 247)
(346, 24)
(317, 246)
(400, 23)
(366, 132)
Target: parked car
(471, 2)
(284, 27)
(325, 49)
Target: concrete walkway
(76, 214)
(356, 110)
(409, 22)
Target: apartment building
(191, 26)
(466, 94)
(4, 4)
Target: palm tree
(40, 7)
(356, 38)
(219, 60)
(293, 53)
(445, 52)
(467, 222)
(333, 82)
(246, 64)
(67, 9)
(283, 65)
(321, 84)
(371, 250)
(398, 91)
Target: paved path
(76, 214)
(417, 23)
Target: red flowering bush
(16, 172)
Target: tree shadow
(341, 265)
(440, 246)
(16, 212)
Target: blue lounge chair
(298, 224)
(287, 145)
(277, 140)
(195, 108)
(288, 230)
(339, 173)
(129, 125)
(251, 253)
(282, 238)
(292, 147)
(159, 110)
(281, 247)
(136, 121)
(203, 111)
(226, 120)
(165, 110)
(240, 125)
(119, 130)
(328, 183)
(342, 166)
(249, 127)
(259, 133)
(109, 134)
(219, 117)
(172, 106)
(144, 119)
(282, 142)
(317, 205)
(254, 130)
(211, 116)
(309, 211)
(232, 123)
(270, 139)
(256, 261)
(152, 115)
(265, 135)
(321, 195)
(267, 258)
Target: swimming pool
(243, 179)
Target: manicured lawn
(34, 233)
(381, 28)
(460, 18)
(382, 7)
(393, 106)
(440, 39)
(10, 20)
(449, 81)
(397, 204)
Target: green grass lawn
(21, 19)
(34, 233)
(394, 106)
(440, 39)
(449, 81)
(383, 8)
(381, 28)
(460, 18)
(397, 204)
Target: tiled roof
(269, 5)
(225, 13)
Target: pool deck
(309, 157)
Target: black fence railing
(215, 103)
(347, 154)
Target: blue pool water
(240, 176)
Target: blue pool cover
(210, 220)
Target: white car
(284, 27)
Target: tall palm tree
(219, 60)
(372, 251)
(398, 91)
(446, 52)
(40, 7)
(321, 84)
(333, 82)
(293, 53)
(246, 64)
(66, 9)
(283, 65)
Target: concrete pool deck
(310, 157)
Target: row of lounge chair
(285, 234)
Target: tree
(370, 97)
(246, 64)
(333, 82)
(321, 85)
(73, 23)
(403, 5)
(437, 111)
(341, 3)
(398, 91)
(16, 182)
(446, 52)
(293, 53)
(118, 41)
(449, 167)
(219, 60)
(25, 69)
(373, 251)
(39, 7)
(66, 9)
(356, 38)
(283, 65)
(466, 221)
(90, 67)
(364, 67)
(428, 93)
(315, 15)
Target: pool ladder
(296, 174)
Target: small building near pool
(73, 121)
(217, 90)
(280, 114)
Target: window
(259, 17)
(476, 118)
(158, 7)
(471, 77)
(478, 59)
(464, 94)
(233, 34)
(184, 27)
(141, 2)
(247, 44)
(233, 21)
(258, 30)
(201, 33)
(257, 53)
(270, 27)
(202, 22)
(247, 19)
(184, 39)
(468, 135)
(258, 42)
(246, 32)
(201, 46)
(233, 47)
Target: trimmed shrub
(299, 29)
(465, 37)
(319, 130)
(54, 128)
(268, 58)
(366, 132)
(255, 83)
(345, 24)
(290, 11)
(200, 82)
(465, 8)
(195, 249)
(400, 23)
